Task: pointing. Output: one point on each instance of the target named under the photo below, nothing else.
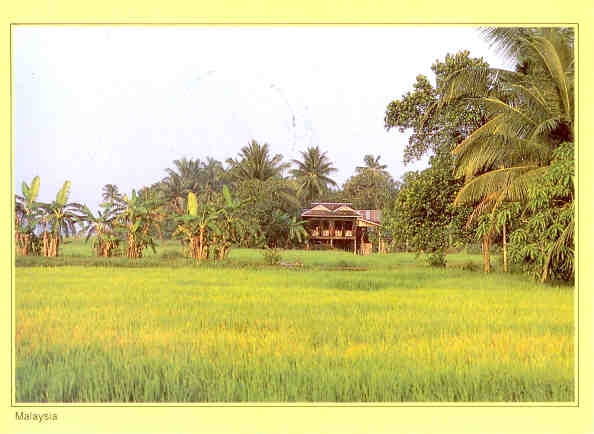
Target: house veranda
(339, 225)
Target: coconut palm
(530, 112)
(184, 178)
(312, 173)
(372, 164)
(111, 194)
(255, 162)
(188, 171)
(212, 174)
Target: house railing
(337, 233)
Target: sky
(117, 104)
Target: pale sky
(117, 104)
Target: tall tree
(111, 193)
(260, 201)
(312, 174)
(422, 218)
(432, 132)
(184, 178)
(255, 162)
(372, 164)
(529, 113)
(212, 174)
(372, 187)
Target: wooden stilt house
(339, 225)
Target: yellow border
(343, 418)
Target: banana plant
(59, 220)
(230, 225)
(100, 228)
(27, 215)
(286, 228)
(137, 215)
(194, 226)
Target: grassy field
(169, 254)
(244, 332)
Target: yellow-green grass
(199, 334)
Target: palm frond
(550, 58)
(34, 189)
(512, 180)
(62, 196)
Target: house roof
(331, 205)
(328, 213)
(341, 209)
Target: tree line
(209, 206)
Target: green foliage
(57, 220)
(285, 231)
(210, 225)
(312, 174)
(100, 227)
(371, 187)
(33, 192)
(63, 194)
(523, 152)
(136, 221)
(436, 259)
(264, 202)
(255, 162)
(28, 213)
(435, 131)
(544, 243)
(188, 175)
(422, 216)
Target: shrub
(436, 259)
(272, 256)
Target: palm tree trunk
(486, 259)
(504, 251)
